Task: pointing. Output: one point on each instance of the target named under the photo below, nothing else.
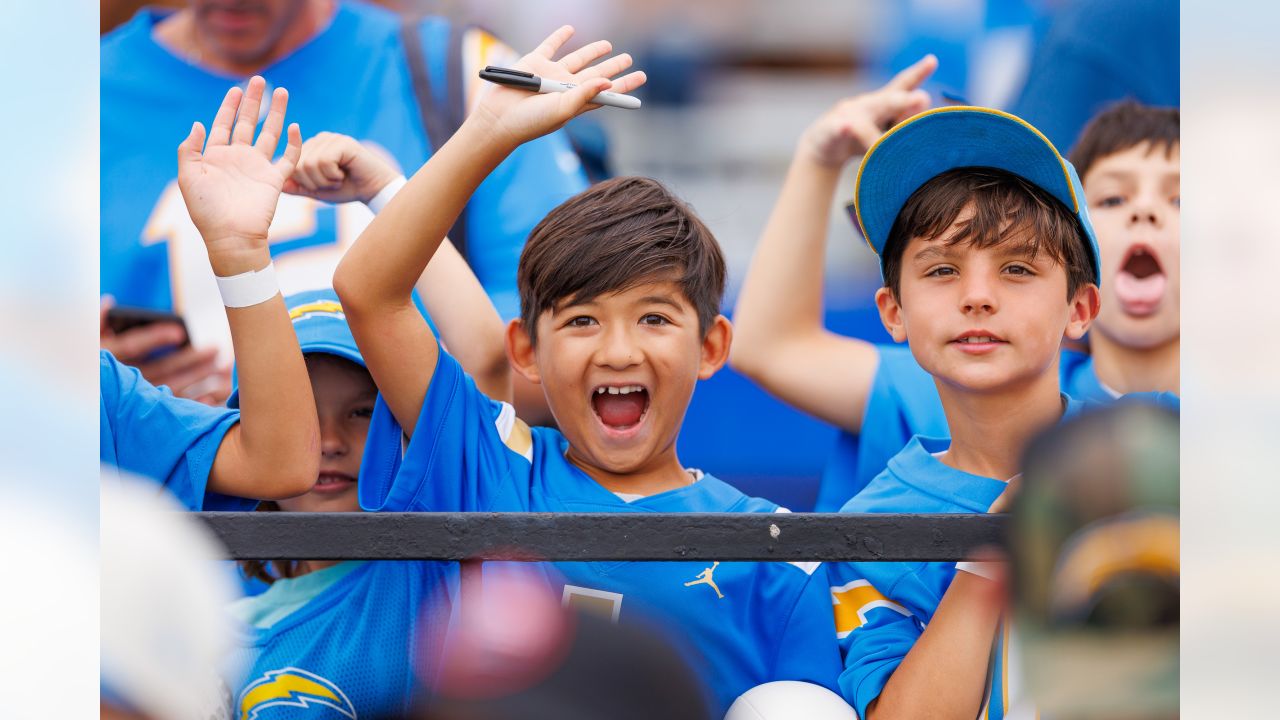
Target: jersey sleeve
(537, 177)
(164, 438)
(463, 455)
(808, 650)
(874, 630)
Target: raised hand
(336, 168)
(231, 188)
(516, 116)
(854, 124)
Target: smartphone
(122, 318)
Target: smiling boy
(620, 289)
(989, 262)
(1128, 160)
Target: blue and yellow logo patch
(322, 308)
(292, 687)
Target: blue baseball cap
(926, 145)
(321, 327)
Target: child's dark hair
(1124, 125)
(614, 236)
(268, 571)
(1006, 208)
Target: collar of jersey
(706, 495)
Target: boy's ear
(1084, 309)
(891, 314)
(715, 347)
(520, 351)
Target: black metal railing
(604, 536)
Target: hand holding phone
(156, 342)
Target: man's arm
(231, 190)
(378, 273)
(779, 340)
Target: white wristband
(988, 570)
(379, 201)
(251, 288)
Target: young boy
(780, 342)
(1128, 160)
(620, 290)
(989, 262)
(268, 449)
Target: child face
(984, 319)
(619, 370)
(1134, 202)
(344, 395)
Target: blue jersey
(351, 650)
(883, 607)
(147, 431)
(1079, 380)
(740, 623)
(351, 78)
(904, 403)
(1097, 52)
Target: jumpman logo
(704, 578)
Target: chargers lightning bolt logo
(292, 687)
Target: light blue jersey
(1080, 380)
(351, 78)
(904, 403)
(739, 623)
(147, 431)
(882, 608)
(348, 644)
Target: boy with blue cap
(855, 385)
(989, 262)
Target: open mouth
(1141, 282)
(620, 407)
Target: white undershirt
(632, 497)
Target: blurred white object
(164, 631)
(789, 699)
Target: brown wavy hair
(613, 236)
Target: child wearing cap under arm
(314, 611)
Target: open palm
(521, 116)
(231, 188)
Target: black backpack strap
(439, 122)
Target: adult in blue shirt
(1094, 53)
(161, 69)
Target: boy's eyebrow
(1116, 174)
(933, 251)
(661, 300)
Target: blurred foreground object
(1094, 541)
(546, 661)
(164, 632)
